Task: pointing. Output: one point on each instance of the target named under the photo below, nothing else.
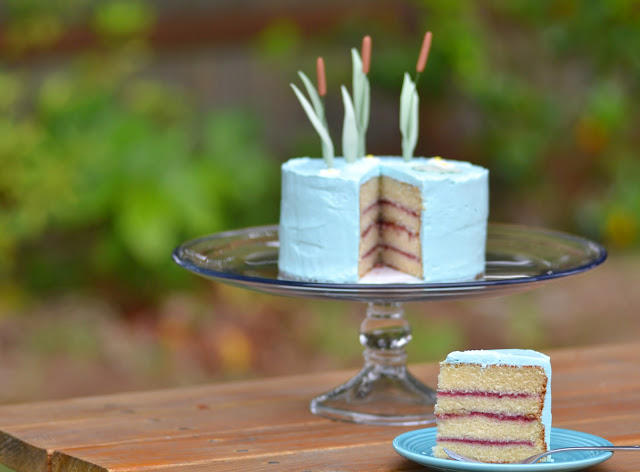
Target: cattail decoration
(424, 52)
(322, 78)
(366, 54)
(314, 108)
(409, 102)
(356, 123)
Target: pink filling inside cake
(485, 442)
(390, 215)
(477, 393)
(484, 414)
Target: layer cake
(426, 217)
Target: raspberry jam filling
(384, 201)
(384, 225)
(495, 416)
(485, 442)
(386, 247)
(480, 393)
(409, 211)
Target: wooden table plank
(261, 447)
(266, 424)
(369, 457)
(196, 396)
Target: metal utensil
(535, 458)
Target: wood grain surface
(266, 424)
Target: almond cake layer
(497, 429)
(455, 402)
(492, 453)
(526, 379)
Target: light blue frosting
(320, 227)
(517, 357)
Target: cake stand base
(383, 392)
(518, 258)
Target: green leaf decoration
(409, 103)
(320, 126)
(405, 98)
(350, 133)
(358, 79)
(361, 100)
(315, 98)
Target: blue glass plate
(517, 258)
(416, 446)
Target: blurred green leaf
(279, 39)
(123, 18)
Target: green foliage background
(105, 168)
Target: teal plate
(416, 446)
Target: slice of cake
(424, 217)
(494, 406)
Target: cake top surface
(430, 169)
(341, 169)
(419, 169)
(519, 357)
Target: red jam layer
(386, 247)
(384, 224)
(495, 416)
(409, 211)
(384, 201)
(485, 442)
(480, 393)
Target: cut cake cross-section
(494, 406)
(390, 213)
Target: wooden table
(266, 425)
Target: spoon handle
(585, 448)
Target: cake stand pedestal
(518, 258)
(384, 391)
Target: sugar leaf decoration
(361, 97)
(357, 109)
(315, 113)
(409, 103)
(350, 131)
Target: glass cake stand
(518, 258)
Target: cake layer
(369, 227)
(493, 453)
(486, 428)
(370, 239)
(369, 203)
(501, 379)
(397, 215)
(394, 236)
(369, 262)
(456, 403)
(399, 260)
(400, 204)
(402, 194)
